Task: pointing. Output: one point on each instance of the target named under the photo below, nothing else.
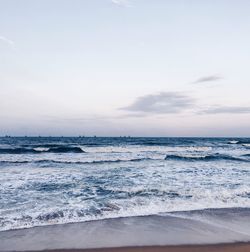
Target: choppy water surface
(47, 181)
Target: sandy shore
(235, 247)
(227, 229)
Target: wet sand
(234, 247)
(181, 232)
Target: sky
(125, 67)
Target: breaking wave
(59, 149)
(212, 157)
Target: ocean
(58, 180)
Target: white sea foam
(246, 144)
(41, 149)
(233, 142)
(136, 206)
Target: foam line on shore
(195, 227)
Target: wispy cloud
(226, 110)
(161, 103)
(7, 41)
(209, 78)
(123, 3)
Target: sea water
(58, 180)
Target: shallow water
(45, 181)
(211, 226)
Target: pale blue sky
(135, 67)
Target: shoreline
(202, 230)
(224, 247)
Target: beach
(183, 231)
(242, 247)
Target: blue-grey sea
(57, 180)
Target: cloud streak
(123, 3)
(209, 78)
(162, 103)
(176, 102)
(7, 41)
(226, 110)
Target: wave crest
(212, 157)
(60, 149)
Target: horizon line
(96, 136)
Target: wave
(245, 142)
(65, 149)
(167, 143)
(246, 145)
(44, 161)
(13, 162)
(113, 212)
(49, 145)
(212, 157)
(92, 162)
(60, 149)
(233, 142)
(18, 151)
(240, 142)
(154, 144)
(246, 155)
